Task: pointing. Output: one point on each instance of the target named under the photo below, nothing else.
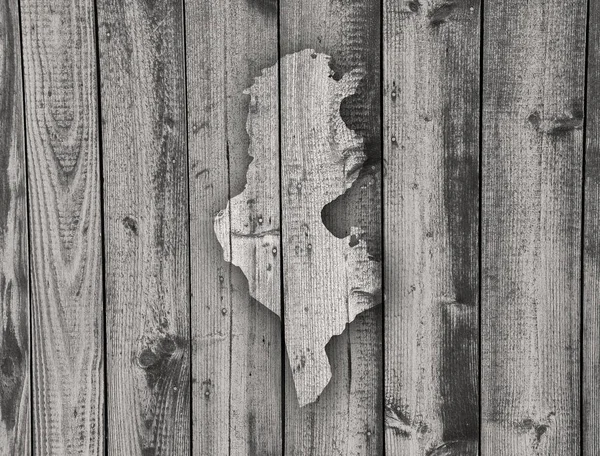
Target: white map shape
(327, 281)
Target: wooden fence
(406, 192)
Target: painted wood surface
(142, 74)
(63, 152)
(431, 185)
(236, 392)
(590, 406)
(347, 417)
(15, 429)
(533, 107)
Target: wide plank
(61, 110)
(344, 418)
(591, 252)
(431, 221)
(236, 354)
(15, 430)
(532, 159)
(142, 74)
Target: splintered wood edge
(249, 229)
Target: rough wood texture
(14, 263)
(65, 226)
(327, 281)
(237, 341)
(146, 222)
(346, 419)
(431, 181)
(533, 87)
(591, 255)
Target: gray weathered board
(280, 227)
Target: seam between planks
(582, 237)
(229, 265)
(281, 259)
(479, 220)
(189, 230)
(229, 196)
(26, 178)
(102, 227)
(382, 211)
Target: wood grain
(533, 88)
(431, 181)
(237, 340)
(15, 432)
(64, 220)
(142, 70)
(347, 418)
(328, 281)
(591, 253)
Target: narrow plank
(347, 416)
(142, 71)
(237, 342)
(533, 89)
(65, 226)
(591, 251)
(15, 433)
(431, 222)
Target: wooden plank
(146, 222)
(347, 417)
(237, 341)
(431, 152)
(591, 251)
(65, 225)
(533, 89)
(15, 432)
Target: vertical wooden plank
(591, 251)
(431, 152)
(64, 213)
(533, 89)
(236, 340)
(146, 222)
(346, 417)
(209, 190)
(14, 263)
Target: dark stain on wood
(461, 189)
(458, 448)
(564, 125)
(130, 225)
(252, 434)
(459, 371)
(7, 100)
(538, 429)
(339, 219)
(558, 126)
(12, 370)
(414, 6)
(460, 170)
(441, 14)
(166, 367)
(149, 451)
(266, 6)
(14, 286)
(160, 360)
(535, 119)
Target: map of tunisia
(327, 281)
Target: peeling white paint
(328, 281)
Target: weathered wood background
(282, 227)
